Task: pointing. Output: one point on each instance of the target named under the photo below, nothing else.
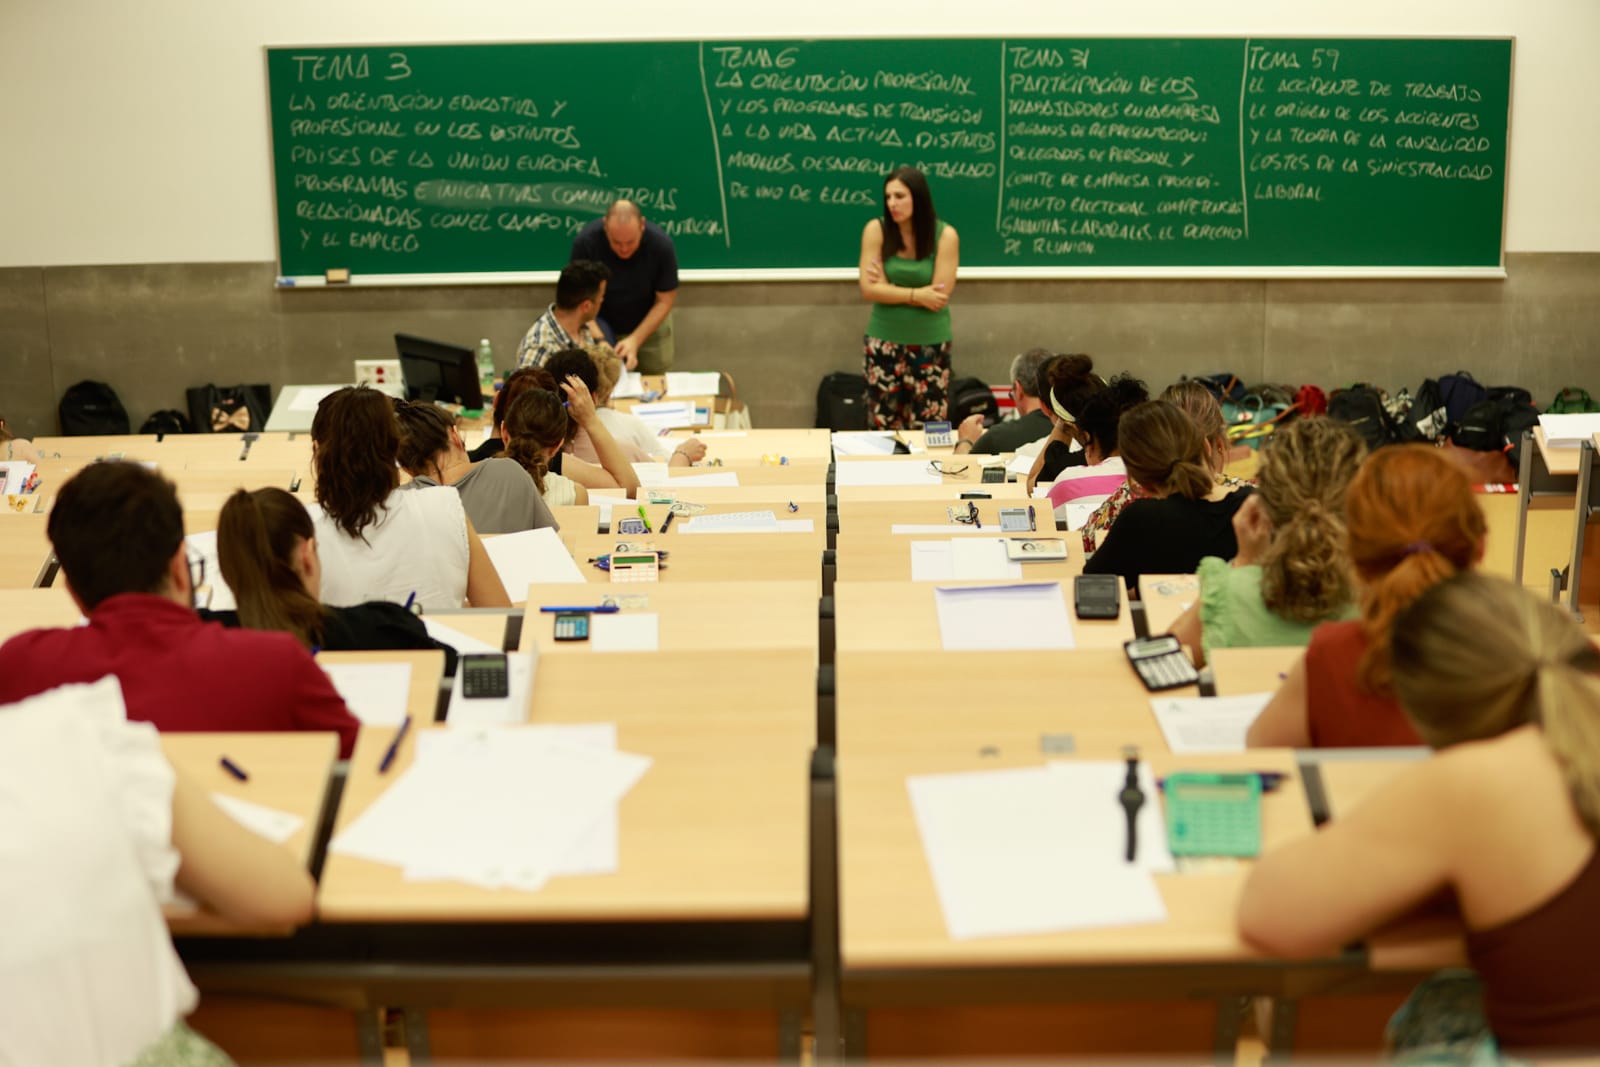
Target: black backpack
(971, 396)
(1460, 392)
(92, 409)
(1362, 407)
(1428, 419)
(165, 422)
(842, 402)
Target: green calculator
(1213, 814)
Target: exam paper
(14, 475)
(651, 473)
(693, 383)
(272, 824)
(1569, 431)
(530, 556)
(1008, 618)
(863, 443)
(666, 415)
(375, 693)
(510, 710)
(1037, 850)
(629, 386)
(1077, 512)
(457, 640)
(312, 395)
(203, 546)
(727, 479)
(938, 528)
(907, 473)
(1208, 724)
(625, 632)
(732, 522)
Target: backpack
(1224, 386)
(229, 408)
(92, 409)
(971, 396)
(1459, 392)
(1309, 400)
(842, 402)
(1498, 423)
(165, 422)
(1572, 401)
(1262, 410)
(1428, 418)
(1362, 407)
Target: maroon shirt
(1339, 710)
(180, 673)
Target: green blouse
(908, 324)
(1233, 615)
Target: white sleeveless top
(88, 975)
(559, 490)
(417, 545)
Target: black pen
(394, 746)
(974, 512)
(667, 521)
(1032, 526)
(234, 769)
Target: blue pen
(793, 506)
(234, 769)
(410, 600)
(973, 510)
(1031, 524)
(589, 609)
(394, 746)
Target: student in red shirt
(117, 530)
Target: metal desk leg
(1225, 1033)
(855, 1036)
(1530, 456)
(1580, 524)
(369, 1036)
(828, 1048)
(415, 1022)
(1280, 1043)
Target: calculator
(483, 675)
(1212, 814)
(938, 434)
(631, 527)
(635, 567)
(1015, 520)
(1161, 662)
(572, 626)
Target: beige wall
(152, 331)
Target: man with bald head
(643, 286)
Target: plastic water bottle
(486, 367)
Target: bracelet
(912, 297)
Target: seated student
(642, 443)
(96, 830)
(1184, 514)
(1292, 570)
(570, 321)
(1102, 473)
(497, 494)
(1065, 383)
(376, 543)
(515, 384)
(1412, 522)
(1031, 423)
(579, 471)
(19, 448)
(267, 548)
(1201, 405)
(1505, 816)
(117, 530)
(538, 426)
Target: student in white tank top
(536, 427)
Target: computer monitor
(434, 370)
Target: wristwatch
(1132, 799)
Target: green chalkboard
(1047, 155)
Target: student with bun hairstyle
(1413, 522)
(375, 542)
(536, 430)
(267, 548)
(1065, 384)
(1185, 514)
(1505, 816)
(629, 429)
(1292, 571)
(498, 495)
(1103, 472)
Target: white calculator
(938, 434)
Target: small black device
(437, 370)
(572, 626)
(1160, 662)
(483, 675)
(993, 474)
(972, 495)
(1097, 596)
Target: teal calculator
(1213, 814)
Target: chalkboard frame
(849, 273)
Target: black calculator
(572, 626)
(1161, 662)
(483, 675)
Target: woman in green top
(1292, 571)
(908, 271)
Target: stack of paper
(14, 475)
(376, 693)
(540, 801)
(863, 443)
(1208, 724)
(1041, 849)
(665, 415)
(913, 472)
(733, 521)
(692, 383)
(962, 559)
(629, 386)
(530, 556)
(203, 546)
(1004, 618)
(1569, 431)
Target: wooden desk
(1167, 596)
(1557, 461)
(948, 492)
(948, 703)
(750, 445)
(730, 617)
(745, 497)
(227, 479)
(1547, 537)
(87, 448)
(815, 511)
(578, 519)
(486, 624)
(24, 550)
(33, 609)
(904, 617)
(714, 557)
(288, 772)
(864, 557)
(896, 951)
(881, 517)
(1252, 670)
(755, 473)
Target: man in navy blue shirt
(643, 286)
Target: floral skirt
(906, 384)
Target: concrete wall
(151, 331)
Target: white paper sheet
(1569, 431)
(203, 545)
(461, 642)
(14, 474)
(625, 632)
(914, 472)
(522, 667)
(375, 693)
(1208, 724)
(716, 434)
(629, 386)
(681, 383)
(938, 529)
(530, 556)
(1038, 850)
(1077, 512)
(863, 443)
(651, 473)
(932, 561)
(982, 560)
(732, 521)
(270, 823)
(1004, 618)
(725, 479)
(666, 415)
(310, 396)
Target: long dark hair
(424, 434)
(535, 423)
(356, 442)
(257, 534)
(923, 218)
(1102, 411)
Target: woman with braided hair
(1292, 570)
